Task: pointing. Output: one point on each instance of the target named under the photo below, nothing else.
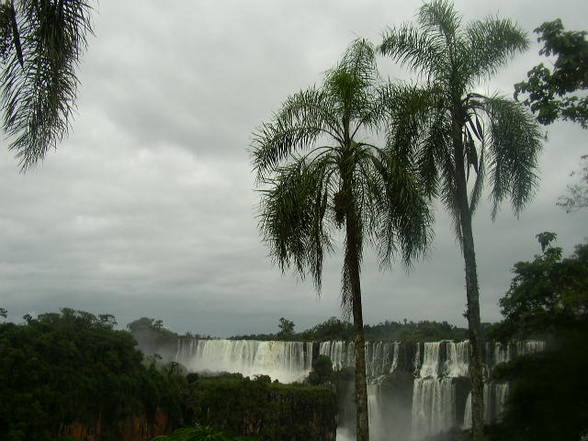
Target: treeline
(153, 336)
(337, 329)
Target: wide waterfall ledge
(415, 389)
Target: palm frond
(351, 84)
(420, 51)
(293, 216)
(416, 129)
(398, 207)
(39, 83)
(514, 145)
(440, 16)
(360, 60)
(304, 117)
(490, 44)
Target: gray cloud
(148, 208)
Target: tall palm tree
(460, 137)
(41, 42)
(317, 176)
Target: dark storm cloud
(148, 208)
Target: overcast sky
(148, 208)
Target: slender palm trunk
(472, 290)
(352, 252)
(360, 376)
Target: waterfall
(502, 353)
(527, 347)
(495, 396)
(433, 398)
(433, 406)
(285, 361)
(374, 410)
(458, 359)
(430, 366)
(381, 357)
(395, 357)
(342, 354)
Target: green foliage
(552, 93)
(72, 366)
(3, 313)
(322, 371)
(270, 411)
(548, 294)
(40, 46)
(201, 433)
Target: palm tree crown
(318, 173)
(40, 45)
(499, 138)
(304, 196)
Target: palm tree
(41, 42)
(460, 137)
(339, 181)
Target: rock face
(133, 428)
(268, 411)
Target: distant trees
(286, 328)
(319, 172)
(460, 138)
(40, 48)
(334, 329)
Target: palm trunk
(472, 290)
(352, 251)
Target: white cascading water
(527, 347)
(495, 396)
(381, 357)
(395, 356)
(284, 361)
(458, 359)
(433, 398)
(502, 353)
(374, 410)
(430, 366)
(433, 406)
(342, 354)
